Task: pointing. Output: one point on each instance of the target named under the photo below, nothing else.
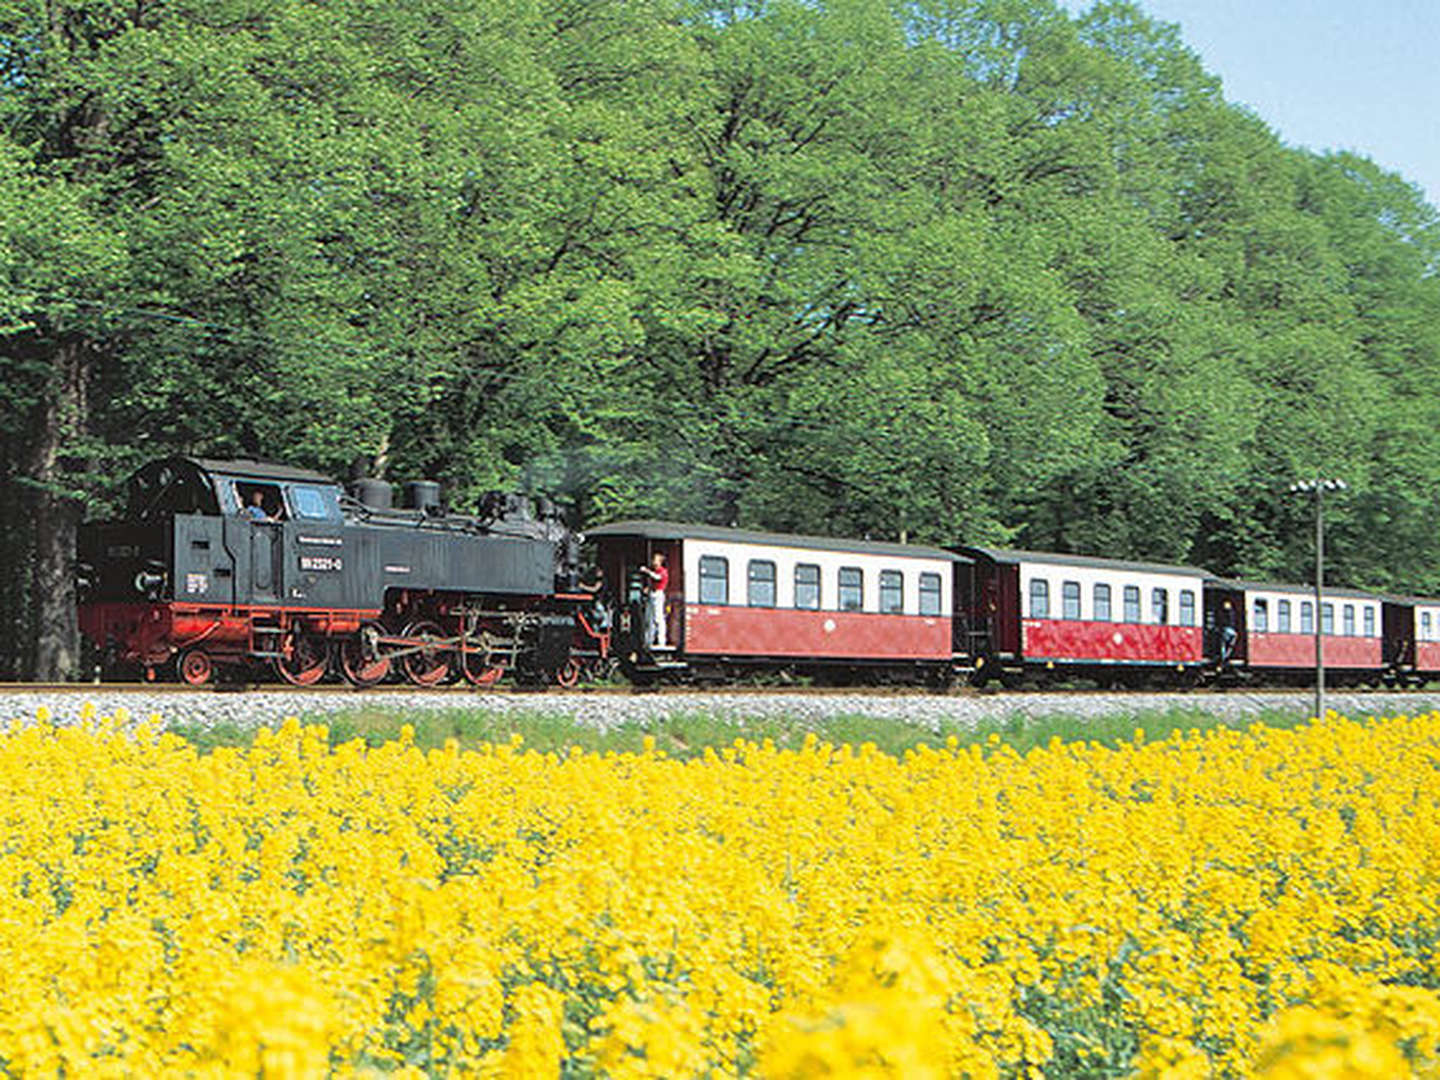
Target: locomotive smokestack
(423, 495)
(375, 494)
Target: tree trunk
(16, 634)
(55, 513)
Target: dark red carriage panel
(1072, 640)
(823, 635)
(1298, 651)
(1427, 656)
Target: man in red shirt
(659, 581)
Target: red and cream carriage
(739, 598)
(1081, 615)
(1272, 627)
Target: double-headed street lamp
(1319, 487)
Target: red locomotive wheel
(569, 675)
(305, 661)
(479, 665)
(195, 667)
(478, 674)
(429, 665)
(360, 661)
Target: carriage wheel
(430, 665)
(479, 667)
(360, 661)
(195, 667)
(304, 661)
(605, 669)
(568, 675)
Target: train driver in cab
(255, 508)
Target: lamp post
(1319, 487)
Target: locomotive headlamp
(147, 581)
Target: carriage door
(1003, 601)
(674, 592)
(1399, 630)
(967, 636)
(1225, 639)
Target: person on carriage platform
(659, 577)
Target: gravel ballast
(253, 709)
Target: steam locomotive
(220, 567)
(226, 567)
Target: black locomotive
(223, 566)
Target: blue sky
(1327, 74)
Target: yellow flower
(1257, 902)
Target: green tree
(53, 257)
(178, 142)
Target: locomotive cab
(187, 556)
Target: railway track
(463, 691)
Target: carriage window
(930, 594)
(1132, 603)
(1070, 599)
(1349, 620)
(761, 591)
(1101, 596)
(852, 589)
(1369, 622)
(1425, 626)
(1160, 606)
(892, 592)
(714, 579)
(1282, 617)
(807, 586)
(1039, 598)
(1327, 619)
(1307, 617)
(1261, 621)
(1187, 607)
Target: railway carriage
(740, 600)
(1097, 618)
(1268, 630)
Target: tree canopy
(959, 270)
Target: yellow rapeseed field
(1248, 903)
